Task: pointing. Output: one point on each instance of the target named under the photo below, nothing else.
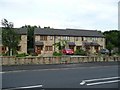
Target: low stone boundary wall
(54, 60)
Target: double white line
(100, 81)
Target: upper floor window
(66, 38)
(43, 38)
(59, 37)
(94, 39)
(76, 38)
(51, 37)
(102, 39)
(82, 38)
(3, 48)
(48, 48)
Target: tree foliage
(119, 41)
(112, 39)
(10, 38)
(60, 45)
(30, 36)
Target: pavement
(55, 66)
(42, 77)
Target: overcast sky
(80, 14)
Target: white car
(104, 51)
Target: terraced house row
(44, 38)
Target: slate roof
(21, 31)
(68, 32)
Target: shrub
(34, 54)
(57, 54)
(22, 55)
(80, 52)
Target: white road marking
(85, 81)
(1, 72)
(105, 82)
(101, 79)
(27, 87)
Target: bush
(34, 54)
(22, 55)
(80, 52)
(57, 54)
(3, 54)
(14, 53)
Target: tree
(10, 38)
(110, 46)
(30, 37)
(119, 41)
(60, 45)
(112, 39)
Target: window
(82, 39)
(18, 48)
(43, 38)
(48, 48)
(66, 38)
(76, 38)
(93, 39)
(51, 37)
(3, 48)
(90, 38)
(79, 47)
(59, 37)
(102, 39)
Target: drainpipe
(54, 42)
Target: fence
(54, 60)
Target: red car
(67, 51)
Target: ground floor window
(48, 48)
(3, 48)
(18, 48)
(71, 47)
(78, 47)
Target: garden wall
(54, 60)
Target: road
(70, 77)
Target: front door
(97, 49)
(39, 48)
(71, 47)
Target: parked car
(68, 51)
(104, 51)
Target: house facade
(89, 40)
(44, 38)
(22, 47)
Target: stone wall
(54, 60)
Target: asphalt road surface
(70, 76)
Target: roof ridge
(81, 29)
(67, 29)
